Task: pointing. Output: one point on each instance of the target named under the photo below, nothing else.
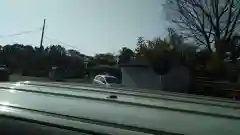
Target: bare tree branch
(228, 20)
(233, 25)
(207, 21)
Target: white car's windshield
(112, 80)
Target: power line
(20, 33)
(61, 42)
(35, 30)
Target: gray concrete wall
(177, 79)
(139, 77)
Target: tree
(74, 53)
(32, 61)
(156, 53)
(162, 53)
(105, 59)
(211, 23)
(126, 55)
(141, 46)
(13, 56)
(181, 51)
(55, 50)
(91, 62)
(56, 55)
(74, 66)
(150, 48)
(28, 56)
(159, 47)
(175, 40)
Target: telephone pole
(43, 28)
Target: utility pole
(43, 28)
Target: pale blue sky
(91, 26)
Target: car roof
(134, 111)
(106, 76)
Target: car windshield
(100, 48)
(142, 44)
(112, 80)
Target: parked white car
(106, 80)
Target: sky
(90, 26)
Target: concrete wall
(177, 79)
(139, 77)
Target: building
(139, 74)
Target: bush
(161, 65)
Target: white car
(106, 80)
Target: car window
(102, 80)
(112, 80)
(98, 78)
